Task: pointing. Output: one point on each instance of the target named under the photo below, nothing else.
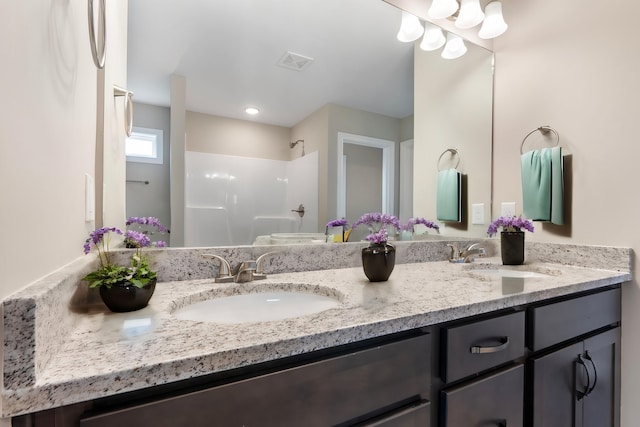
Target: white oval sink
(500, 272)
(256, 307)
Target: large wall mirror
(335, 90)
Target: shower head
(293, 144)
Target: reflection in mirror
(243, 179)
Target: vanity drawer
(554, 323)
(353, 386)
(496, 400)
(471, 348)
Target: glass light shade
(470, 14)
(493, 24)
(441, 9)
(433, 38)
(454, 48)
(410, 28)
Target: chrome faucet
(474, 249)
(245, 271)
(224, 274)
(467, 254)
(251, 270)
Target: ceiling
(228, 52)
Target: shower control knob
(300, 210)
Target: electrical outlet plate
(508, 209)
(477, 213)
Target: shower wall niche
(231, 200)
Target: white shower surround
(230, 200)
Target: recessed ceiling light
(252, 110)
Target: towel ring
(543, 130)
(454, 152)
(128, 107)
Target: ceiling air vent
(294, 61)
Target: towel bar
(543, 130)
(454, 152)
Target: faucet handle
(224, 274)
(455, 253)
(259, 273)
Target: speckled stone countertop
(98, 353)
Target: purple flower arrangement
(139, 272)
(141, 239)
(337, 223)
(378, 224)
(510, 223)
(414, 221)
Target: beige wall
(574, 65)
(221, 135)
(453, 109)
(47, 134)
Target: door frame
(388, 170)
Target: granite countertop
(107, 353)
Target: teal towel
(542, 185)
(448, 201)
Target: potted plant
(407, 229)
(343, 233)
(379, 258)
(511, 237)
(123, 288)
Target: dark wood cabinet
(574, 371)
(387, 383)
(578, 384)
(492, 401)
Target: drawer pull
(476, 349)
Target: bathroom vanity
(438, 344)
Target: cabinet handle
(585, 392)
(504, 343)
(595, 372)
(98, 57)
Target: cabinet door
(601, 407)
(553, 388)
(334, 391)
(418, 415)
(494, 401)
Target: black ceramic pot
(378, 261)
(126, 296)
(512, 247)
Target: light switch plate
(477, 213)
(508, 209)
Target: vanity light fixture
(454, 48)
(251, 111)
(470, 14)
(493, 24)
(410, 28)
(441, 9)
(433, 37)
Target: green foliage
(139, 274)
